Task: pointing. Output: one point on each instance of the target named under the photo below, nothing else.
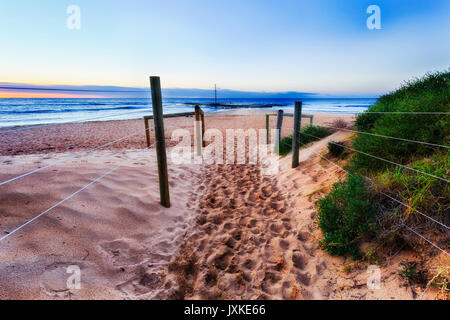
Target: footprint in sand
(299, 261)
(144, 283)
(304, 278)
(284, 244)
(124, 252)
(54, 279)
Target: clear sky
(320, 46)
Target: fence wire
(70, 158)
(348, 172)
(70, 196)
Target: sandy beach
(73, 137)
(231, 233)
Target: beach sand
(74, 137)
(231, 233)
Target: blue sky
(306, 46)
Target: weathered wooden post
(160, 141)
(296, 135)
(279, 124)
(147, 131)
(203, 127)
(198, 130)
(267, 128)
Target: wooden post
(198, 134)
(279, 124)
(311, 120)
(147, 131)
(160, 141)
(203, 127)
(296, 135)
(267, 128)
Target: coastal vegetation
(308, 134)
(390, 182)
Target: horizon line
(192, 93)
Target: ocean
(34, 111)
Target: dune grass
(407, 113)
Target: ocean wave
(41, 111)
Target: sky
(320, 46)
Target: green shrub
(335, 148)
(285, 146)
(307, 135)
(366, 121)
(411, 273)
(345, 214)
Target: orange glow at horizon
(43, 95)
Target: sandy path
(257, 238)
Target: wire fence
(77, 155)
(389, 137)
(441, 224)
(68, 197)
(400, 202)
(67, 159)
(160, 142)
(110, 171)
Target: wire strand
(69, 158)
(408, 206)
(373, 182)
(335, 164)
(405, 112)
(390, 137)
(69, 197)
(418, 234)
(382, 159)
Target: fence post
(267, 128)
(160, 141)
(198, 128)
(147, 131)
(279, 124)
(296, 135)
(203, 127)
